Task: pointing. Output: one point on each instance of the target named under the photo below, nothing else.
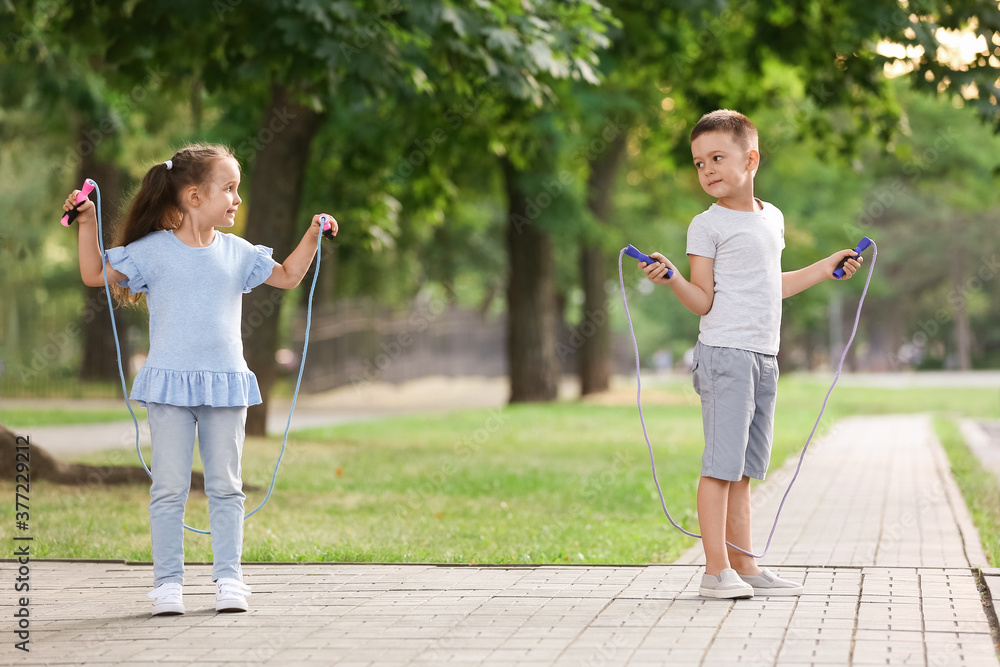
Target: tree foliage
(420, 104)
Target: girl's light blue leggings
(220, 436)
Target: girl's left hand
(850, 266)
(317, 224)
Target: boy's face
(725, 168)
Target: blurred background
(487, 161)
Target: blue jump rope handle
(632, 252)
(865, 242)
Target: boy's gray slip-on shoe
(767, 583)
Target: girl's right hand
(87, 209)
(657, 272)
(317, 223)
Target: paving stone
(422, 620)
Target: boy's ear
(753, 160)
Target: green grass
(556, 483)
(27, 417)
(64, 385)
(979, 487)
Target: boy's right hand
(657, 272)
(87, 209)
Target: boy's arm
(793, 282)
(697, 294)
(290, 273)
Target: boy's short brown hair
(736, 124)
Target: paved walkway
(875, 491)
(344, 614)
(874, 528)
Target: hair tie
(170, 164)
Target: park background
(486, 162)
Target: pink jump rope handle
(70, 216)
(327, 223)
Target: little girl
(195, 377)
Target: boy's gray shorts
(738, 390)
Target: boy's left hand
(850, 266)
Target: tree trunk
(326, 285)
(286, 132)
(595, 329)
(531, 301)
(963, 327)
(98, 359)
(836, 314)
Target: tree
(531, 297)
(296, 60)
(711, 56)
(43, 74)
(933, 206)
(99, 352)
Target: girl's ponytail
(157, 206)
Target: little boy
(736, 287)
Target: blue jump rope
(325, 230)
(838, 273)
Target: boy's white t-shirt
(746, 247)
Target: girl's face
(220, 196)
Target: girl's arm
(696, 295)
(290, 273)
(89, 249)
(793, 282)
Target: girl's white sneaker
(168, 599)
(230, 595)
